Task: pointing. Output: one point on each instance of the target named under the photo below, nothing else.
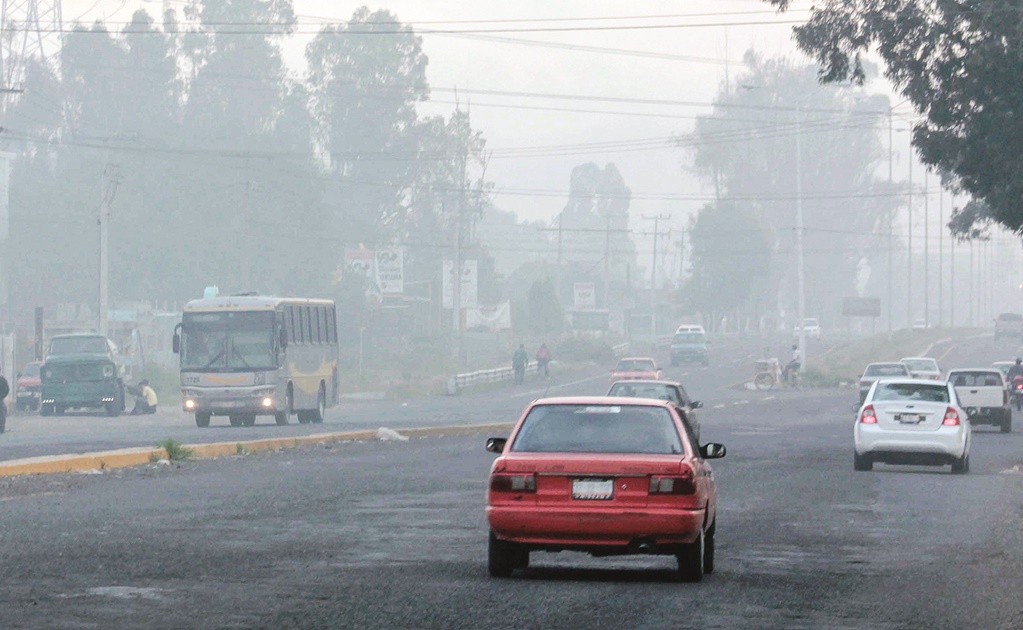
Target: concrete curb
(123, 458)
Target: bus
(244, 356)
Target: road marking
(947, 352)
(770, 398)
(741, 402)
(718, 407)
(553, 387)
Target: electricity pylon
(28, 29)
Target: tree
(364, 89)
(731, 258)
(747, 150)
(958, 62)
(546, 317)
(595, 223)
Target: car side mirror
(696, 404)
(496, 444)
(713, 450)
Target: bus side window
(289, 323)
(332, 323)
(307, 320)
(301, 325)
(314, 314)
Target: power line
(258, 28)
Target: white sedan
(912, 421)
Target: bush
(175, 450)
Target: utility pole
(973, 319)
(927, 260)
(941, 255)
(891, 219)
(682, 258)
(561, 225)
(800, 279)
(952, 275)
(607, 259)
(653, 273)
(909, 257)
(606, 231)
(112, 178)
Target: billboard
(360, 262)
(468, 289)
(390, 271)
(584, 296)
(861, 307)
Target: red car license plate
(593, 489)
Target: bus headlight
(189, 404)
(268, 402)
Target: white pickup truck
(982, 394)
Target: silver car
(663, 390)
(875, 371)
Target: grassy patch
(175, 450)
(241, 449)
(846, 363)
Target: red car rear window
(598, 429)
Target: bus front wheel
(316, 417)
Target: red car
(607, 476)
(27, 388)
(636, 368)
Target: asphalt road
(392, 535)
(32, 435)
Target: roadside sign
(861, 307)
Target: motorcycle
(1017, 392)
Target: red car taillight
(1019, 386)
(867, 416)
(951, 418)
(513, 483)
(684, 483)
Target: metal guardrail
(495, 375)
(620, 350)
(663, 341)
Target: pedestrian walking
(519, 360)
(543, 361)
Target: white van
(690, 328)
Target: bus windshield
(228, 341)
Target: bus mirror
(284, 338)
(177, 343)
